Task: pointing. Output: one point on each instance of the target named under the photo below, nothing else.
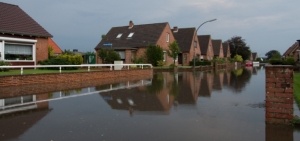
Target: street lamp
(198, 41)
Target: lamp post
(194, 60)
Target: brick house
(56, 49)
(293, 51)
(22, 40)
(218, 48)
(226, 50)
(207, 52)
(132, 40)
(189, 47)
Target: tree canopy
(238, 46)
(173, 51)
(108, 55)
(273, 54)
(154, 53)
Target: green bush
(276, 61)
(138, 60)
(200, 62)
(64, 59)
(289, 61)
(2, 63)
(280, 61)
(154, 53)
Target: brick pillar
(279, 94)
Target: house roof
(204, 42)
(15, 21)
(55, 47)
(216, 46)
(225, 48)
(291, 49)
(184, 38)
(143, 35)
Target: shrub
(161, 63)
(280, 61)
(200, 62)
(2, 63)
(289, 61)
(154, 54)
(64, 59)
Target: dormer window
(130, 35)
(119, 36)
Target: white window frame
(165, 56)
(20, 41)
(168, 37)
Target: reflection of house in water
(138, 100)
(226, 80)
(218, 81)
(20, 105)
(206, 85)
(158, 98)
(189, 85)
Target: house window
(168, 37)
(119, 35)
(130, 35)
(18, 51)
(165, 56)
(195, 44)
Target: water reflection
(170, 106)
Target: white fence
(88, 66)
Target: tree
(154, 54)
(239, 46)
(173, 51)
(273, 54)
(238, 58)
(108, 55)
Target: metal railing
(88, 66)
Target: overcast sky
(78, 24)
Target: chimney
(175, 29)
(130, 25)
(298, 42)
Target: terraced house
(218, 48)
(188, 43)
(22, 40)
(131, 41)
(207, 51)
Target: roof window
(119, 35)
(130, 35)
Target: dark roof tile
(13, 20)
(184, 38)
(216, 46)
(204, 42)
(144, 35)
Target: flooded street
(219, 106)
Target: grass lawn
(297, 87)
(36, 71)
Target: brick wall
(279, 94)
(41, 49)
(19, 80)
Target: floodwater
(182, 106)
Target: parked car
(248, 63)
